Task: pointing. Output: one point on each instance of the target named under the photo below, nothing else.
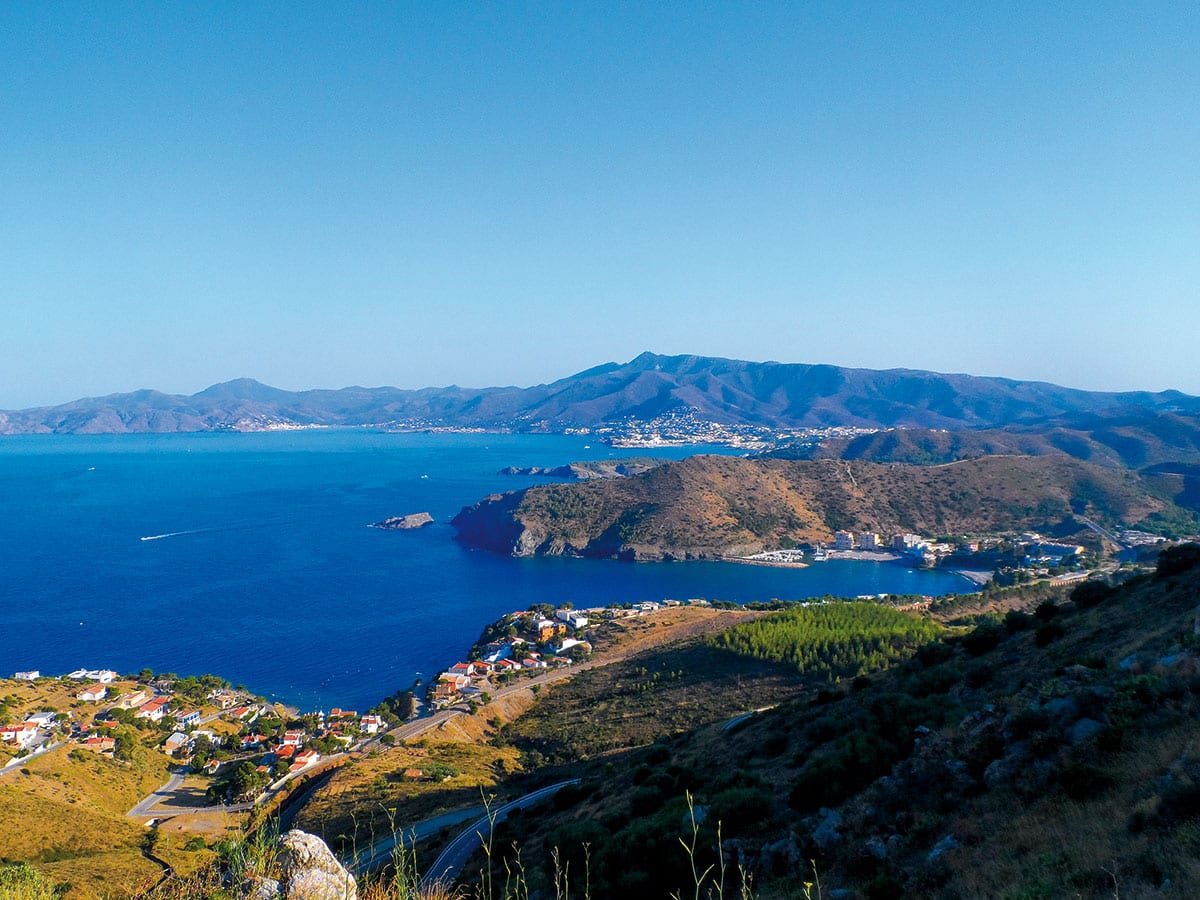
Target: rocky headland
(709, 507)
(589, 469)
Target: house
(506, 665)
(482, 667)
(444, 690)
(241, 712)
(42, 719)
(211, 767)
(153, 710)
(305, 757)
(100, 743)
(496, 651)
(843, 540)
(253, 741)
(27, 676)
(22, 735)
(187, 717)
(177, 744)
(133, 699)
(93, 694)
(461, 669)
(287, 751)
(293, 738)
(413, 774)
(337, 713)
(372, 724)
(869, 541)
(531, 662)
(224, 699)
(547, 629)
(906, 542)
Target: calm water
(266, 574)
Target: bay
(259, 566)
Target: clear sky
(429, 193)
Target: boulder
(310, 871)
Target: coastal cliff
(712, 506)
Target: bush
(1048, 633)
(984, 638)
(1177, 560)
(1015, 620)
(1091, 593)
(1046, 610)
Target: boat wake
(219, 528)
(169, 534)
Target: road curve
(459, 850)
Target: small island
(404, 523)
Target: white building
(869, 541)
(27, 676)
(843, 540)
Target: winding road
(451, 860)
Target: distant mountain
(732, 392)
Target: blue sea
(261, 568)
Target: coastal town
(1006, 559)
(247, 749)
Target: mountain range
(731, 392)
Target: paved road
(1100, 530)
(162, 795)
(19, 761)
(381, 851)
(157, 804)
(459, 850)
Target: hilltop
(686, 390)
(711, 506)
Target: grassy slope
(67, 816)
(979, 740)
(711, 505)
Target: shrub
(1046, 610)
(1091, 593)
(1015, 621)
(984, 638)
(1048, 633)
(1177, 560)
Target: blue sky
(422, 194)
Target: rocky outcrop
(404, 523)
(308, 870)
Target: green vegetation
(833, 640)
(23, 882)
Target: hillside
(1048, 753)
(709, 506)
(734, 392)
(1133, 440)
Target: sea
(249, 556)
